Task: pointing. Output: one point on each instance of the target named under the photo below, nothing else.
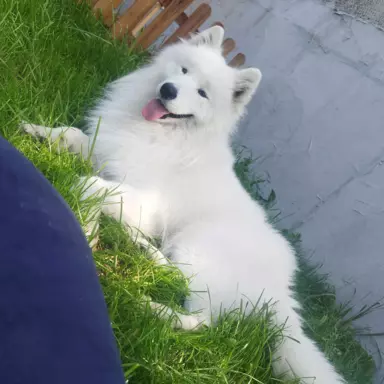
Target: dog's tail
(297, 355)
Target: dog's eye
(202, 93)
(184, 70)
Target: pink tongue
(154, 110)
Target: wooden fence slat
(160, 14)
(106, 7)
(219, 24)
(194, 21)
(149, 16)
(181, 19)
(165, 3)
(237, 61)
(162, 22)
(133, 16)
(228, 46)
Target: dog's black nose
(168, 91)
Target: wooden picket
(191, 24)
(238, 60)
(147, 20)
(228, 46)
(134, 16)
(106, 8)
(153, 31)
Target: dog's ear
(246, 83)
(213, 37)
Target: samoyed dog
(164, 144)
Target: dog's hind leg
(69, 138)
(297, 355)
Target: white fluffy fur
(177, 181)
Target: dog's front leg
(137, 210)
(69, 138)
(190, 322)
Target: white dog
(164, 142)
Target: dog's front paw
(33, 129)
(179, 320)
(188, 322)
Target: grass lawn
(55, 59)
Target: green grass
(55, 59)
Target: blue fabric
(54, 326)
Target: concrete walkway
(317, 124)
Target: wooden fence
(147, 20)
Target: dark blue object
(54, 326)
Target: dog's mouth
(156, 110)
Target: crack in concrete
(362, 66)
(368, 169)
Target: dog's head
(196, 87)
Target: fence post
(162, 22)
(105, 8)
(191, 24)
